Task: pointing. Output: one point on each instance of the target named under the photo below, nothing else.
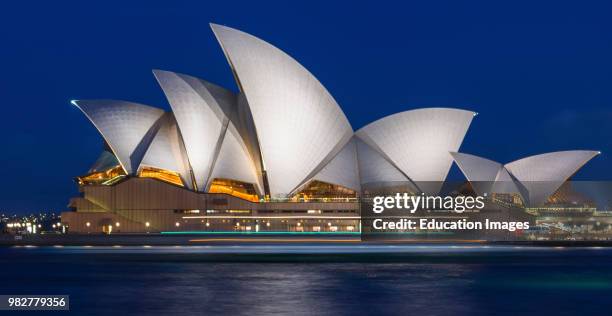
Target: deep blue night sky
(539, 74)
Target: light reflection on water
(297, 249)
(314, 279)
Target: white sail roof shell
(418, 142)
(298, 122)
(342, 169)
(542, 175)
(486, 176)
(374, 169)
(200, 109)
(167, 151)
(477, 168)
(234, 161)
(535, 178)
(127, 127)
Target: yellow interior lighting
(161, 174)
(238, 189)
(103, 177)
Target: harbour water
(315, 279)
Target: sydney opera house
(279, 155)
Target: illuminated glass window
(161, 174)
(106, 177)
(234, 188)
(323, 191)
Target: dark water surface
(315, 280)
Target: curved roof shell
(167, 151)
(535, 178)
(375, 171)
(299, 124)
(486, 176)
(201, 110)
(543, 174)
(127, 127)
(419, 141)
(234, 162)
(342, 169)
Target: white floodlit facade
(534, 178)
(127, 127)
(375, 170)
(233, 161)
(542, 175)
(167, 151)
(343, 169)
(283, 134)
(299, 124)
(278, 154)
(418, 142)
(200, 109)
